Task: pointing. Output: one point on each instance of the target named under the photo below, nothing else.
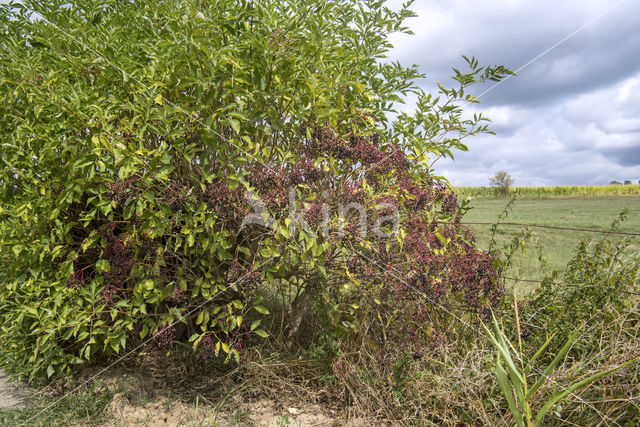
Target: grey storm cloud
(572, 116)
(628, 156)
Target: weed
(85, 408)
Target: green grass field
(558, 245)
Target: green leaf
(285, 232)
(102, 265)
(261, 333)
(235, 125)
(538, 353)
(255, 324)
(149, 196)
(555, 362)
(507, 390)
(261, 309)
(504, 351)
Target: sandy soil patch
(13, 394)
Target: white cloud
(571, 117)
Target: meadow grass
(558, 246)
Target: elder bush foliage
(138, 137)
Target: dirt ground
(162, 411)
(13, 394)
(257, 413)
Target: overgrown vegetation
(220, 183)
(168, 174)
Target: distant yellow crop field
(557, 190)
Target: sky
(572, 114)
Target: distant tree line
(626, 182)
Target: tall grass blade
(562, 394)
(542, 348)
(505, 386)
(504, 352)
(554, 363)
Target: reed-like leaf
(562, 394)
(542, 348)
(505, 353)
(554, 363)
(506, 388)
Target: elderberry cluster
(177, 196)
(117, 253)
(325, 141)
(397, 160)
(165, 336)
(475, 277)
(206, 348)
(313, 214)
(219, 197)
(118, 190)
(305, 171)
(276, 199)
(110, 294)
(365, 152)
(420, 247)
(179, 296)
(76, 280)
(387, 205)
(449, 203)
(351, 234)
(238, 338)
(352, 193)
(266, 179)
(417, 197)
(272, 184)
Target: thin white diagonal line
(151, 93)
(130, 352)
(413, 288)
(522, 67)
(95, 51)
(582, 27)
